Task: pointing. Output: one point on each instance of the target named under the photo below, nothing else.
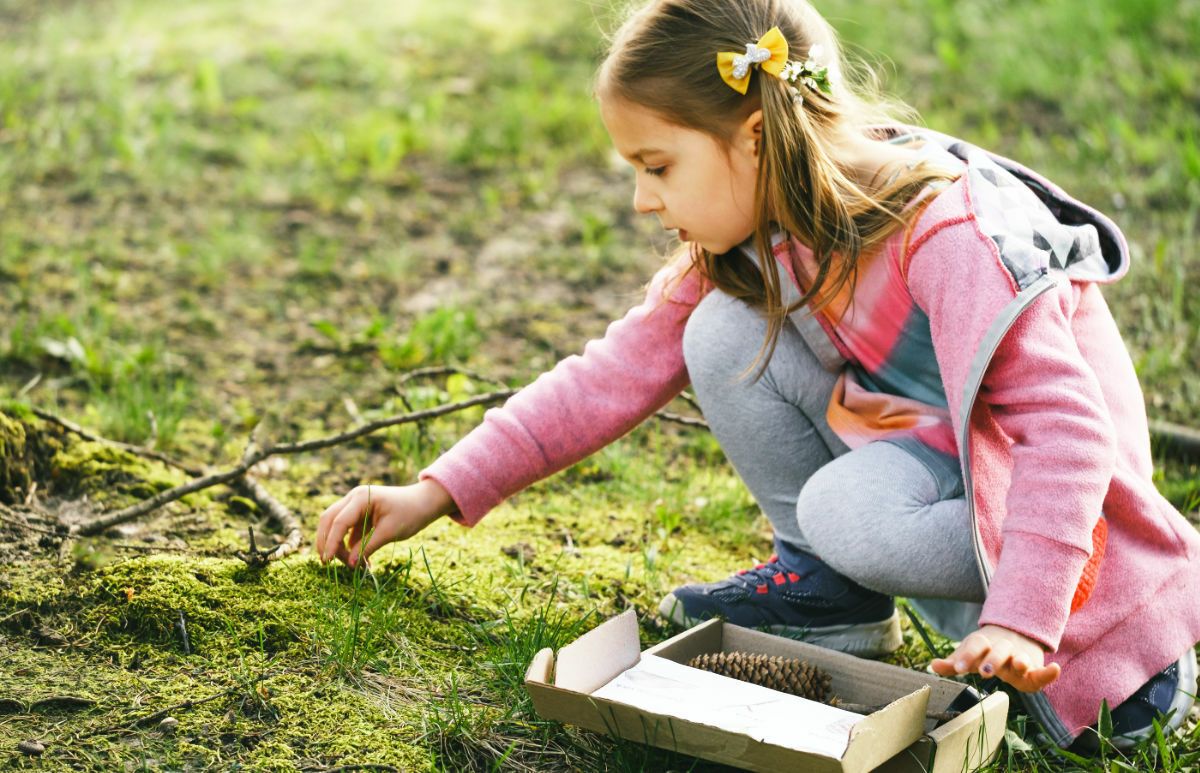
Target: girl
(900, 343)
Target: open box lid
(562, 689)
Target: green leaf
(329, 330)
(1073, 757)
(1104, 725)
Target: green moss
(108, 474)
(15, 475)
(27, 447)
(37, 584)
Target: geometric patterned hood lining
(1035, 230)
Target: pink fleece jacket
(1056, 436)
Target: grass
(216, 215)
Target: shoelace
(770, 573)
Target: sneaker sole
(866, 640)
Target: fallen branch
(451, 370)
(446, 370)
(687, 421)
(255, 453)
(137, 450)
(1174, 440)
(15, 517)
(283, 518)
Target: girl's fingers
(323, 525)
(970, 653)
(943, 667)
(1037, 678)
(377, 539)
(328, 541)
(997, 659)
(340, 524)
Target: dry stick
(12, 516)
(279, 515)
(687, 421)
(255, 453)
(1175, 440)
(283, 517)
(450, 370)
(690, 399)
(138, 450)
(446, 370)
(422, 434)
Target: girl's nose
(644, 202)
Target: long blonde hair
(664, 58)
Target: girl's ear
(749, 133)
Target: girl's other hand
(393, 513)
(996, 651)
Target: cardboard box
(895, 739)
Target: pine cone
(778, 673)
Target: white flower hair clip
(810, 73)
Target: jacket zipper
(1037, 703)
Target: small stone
(31, 748)
(522, 551)
(168, 725)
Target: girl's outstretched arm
(584, 403)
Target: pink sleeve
(1048, 401)
(582, 404)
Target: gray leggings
(886, 515)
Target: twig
(1181, 442)
(690, 399)
(446, 370)
(255, 453)
(281, 516)
(12, 516)
(679, 419)
(138, 450)
(182, 625)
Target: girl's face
(695, 185)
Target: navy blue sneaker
(1167, 697)
(797, 595)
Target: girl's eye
(656, 171)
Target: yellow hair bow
(770, 53)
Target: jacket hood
(1037, 227)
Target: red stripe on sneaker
(793, 577)
(779, 579)
(761, 588)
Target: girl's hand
(394, 513)
(995, 651)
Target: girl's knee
(849, 495)
(821, 505)
(718, 325)
(721, 337)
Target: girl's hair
(663, 58)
